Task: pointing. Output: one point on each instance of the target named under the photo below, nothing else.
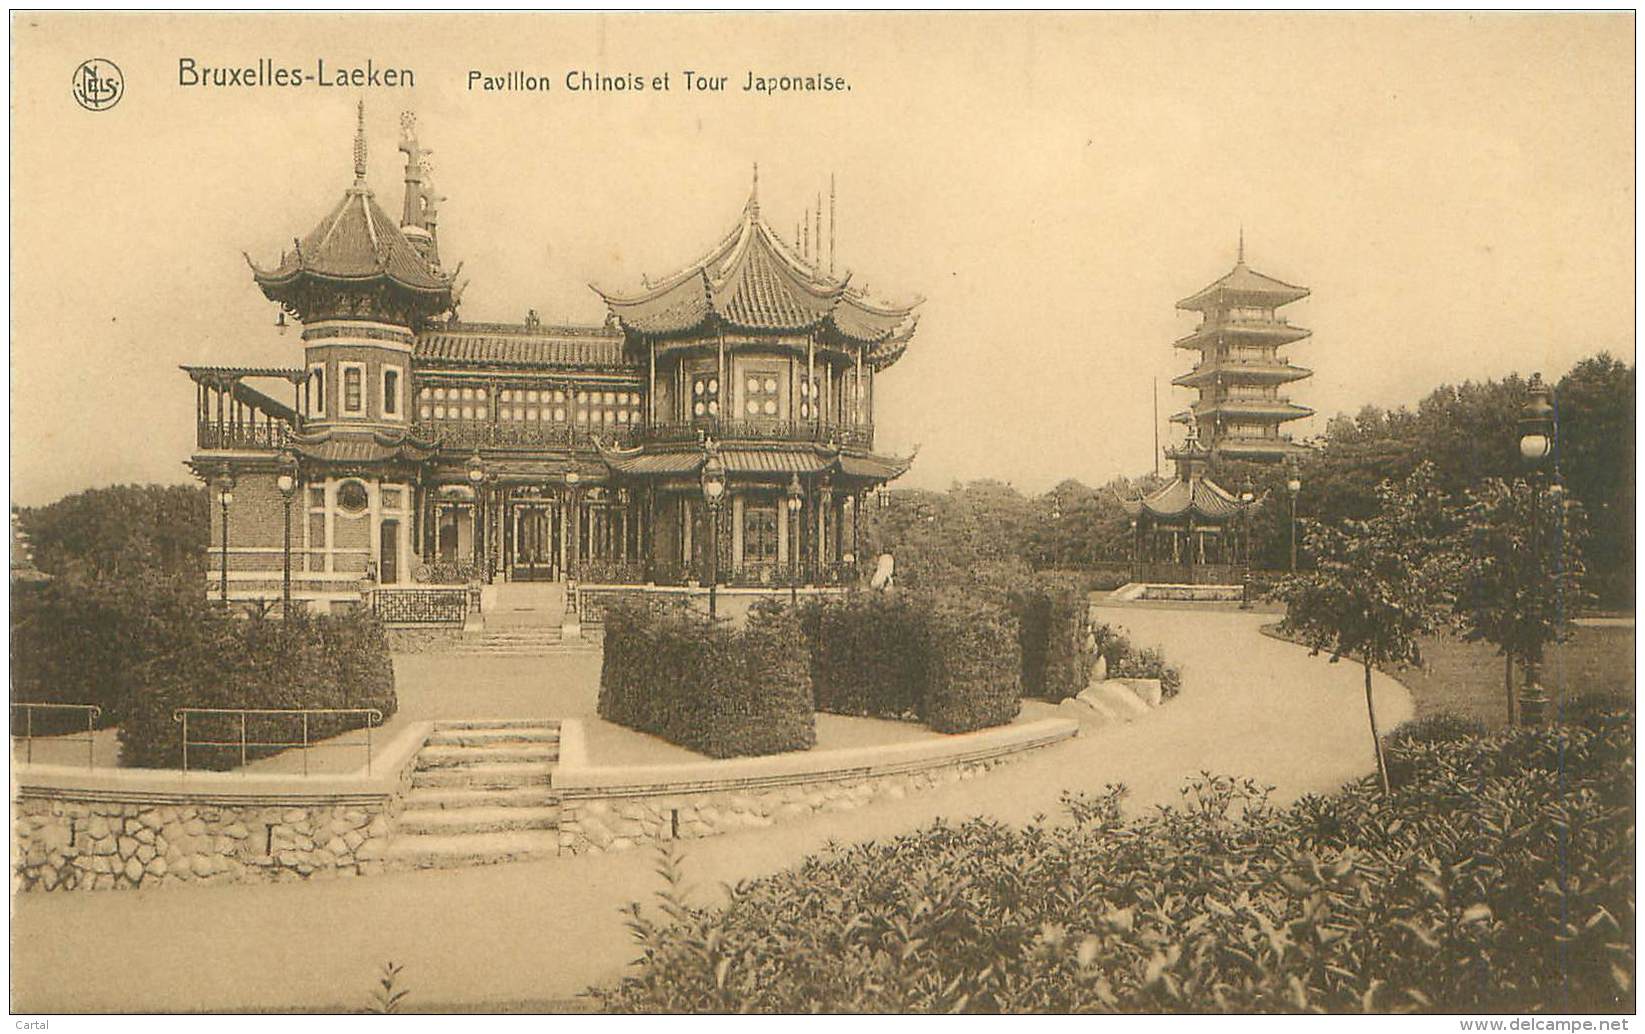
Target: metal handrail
(373, 717)
(93, 712)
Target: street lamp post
(287, 483)
(1293, 485)
(225, 496)
(1247, 496)
(795, 492)
(574, 539)
(713, 481)
(476, 480)
(1538, 435)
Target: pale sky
(1457, 191)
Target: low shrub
(222, 661)
(1485, 884)
(942, 657)
(704, 685)
(1125, 661)
(1436, 728)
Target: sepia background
(1457, 191)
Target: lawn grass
(1465, 679)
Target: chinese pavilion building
(1239, 373)
(421, 450)
(1191, 531)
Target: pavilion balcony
(501, 434)
(820, 432)
(266, 435)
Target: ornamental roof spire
(360, 145)
(754, 193)
(1241, 260)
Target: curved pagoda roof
(356, 243)
(753, 459)
(1206, 500)
(751, 281)
(1243, 286)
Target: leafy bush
(1053, 616)
(943, 657)
(1489, 882)
(704, 685)
(971, 664)
(866, 654)
(78, 641)
(1125, 661)
(217, 660)
(1436, 728)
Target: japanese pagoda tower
(1239, 409)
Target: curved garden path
(528, 934)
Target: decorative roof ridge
(522, 330)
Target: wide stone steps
(524, 641)
(461, 798)
(464, 849)
(480, 795)
(492, 737)
(497, 819)
(469, 756)
(495, 776)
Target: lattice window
(759, 533)
(760, 397)
(705, 395)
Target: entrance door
(388, 553)
(536, 542)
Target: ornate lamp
(1538, 434)
(286, 482)
(225, 498)
(713, 485)
(1293, 486)
(795, 500)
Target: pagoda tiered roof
(751, 281)
(1242, 371)
(1265, 332)
(1243, 286)
(1203, 498)
(1271, 409)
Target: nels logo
(98, 84)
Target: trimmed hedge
(1053, 616)
(972, 665)
(1500, 878)
(217, 660)
(943, 658)
(707, 686)
(80, 641)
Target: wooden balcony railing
(821, 432)
(272, 436)
(506, 434)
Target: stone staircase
(523, 641)
(524, 620)
(481, 794)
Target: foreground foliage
(1498, 876)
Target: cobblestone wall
(592, 825)
(81, 845)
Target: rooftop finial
(1242, 244)
(360, 143)
(754, 192)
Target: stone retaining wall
(594, 820)
(97, 838)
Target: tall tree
(1519, 573)
(1595, 402)
(1378, 584)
